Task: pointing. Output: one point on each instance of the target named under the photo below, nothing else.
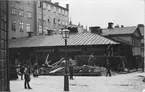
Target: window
(28, 27)
(29, 15)
(62, 12)
(21, 26)
(39, 4)
(40, 29)
(59, 10)
(62, 22)
(48, 20)
(14, 11)
(48, 7)
(54, 9)
(45, 30)
(29, 1)
(66, 23)
(39, 16)
(21, 12)
(44, 5)
(59, 21)
(66, 13)
(13, 25)
(54, 20)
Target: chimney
(67, 6)
(141, 27)
(49, 32)
(117, 26)
(30, 34)
(122, 25)
(57, 3)
(96, 30)
(110, 25)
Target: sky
(100, 12)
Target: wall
(124, 39)
(4, 67)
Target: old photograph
(72, 46)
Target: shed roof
(57, 40)
(119, 31)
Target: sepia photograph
(72, 46)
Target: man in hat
(108, 67)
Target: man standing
(71, 66)
(35, 70)
(27, 77)
(108, 68)
(91, 60)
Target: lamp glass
(65, 33)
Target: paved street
(119, 83)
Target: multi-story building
(4, 67)
(21, 18)
(26, 17)
(53, 15)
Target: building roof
(72, 26)
(55, 5)
(57, 40)
(119, 31)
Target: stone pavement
(131, 82)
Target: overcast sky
(100, 12)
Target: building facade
(53, 15)
(4, 67)
(21, 18)
(26, 17)
(130, 37)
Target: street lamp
(65, 35)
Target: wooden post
(36, 57)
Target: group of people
(26, 71)
(91, 62)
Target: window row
(18, 1)
(21, 12)
(55, 9)
(21, 26)
(44, 29)
(54, 20)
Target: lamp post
(65, 35)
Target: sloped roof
(119, 31)
(57, 40)
(72, 26)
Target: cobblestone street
(119, 83)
